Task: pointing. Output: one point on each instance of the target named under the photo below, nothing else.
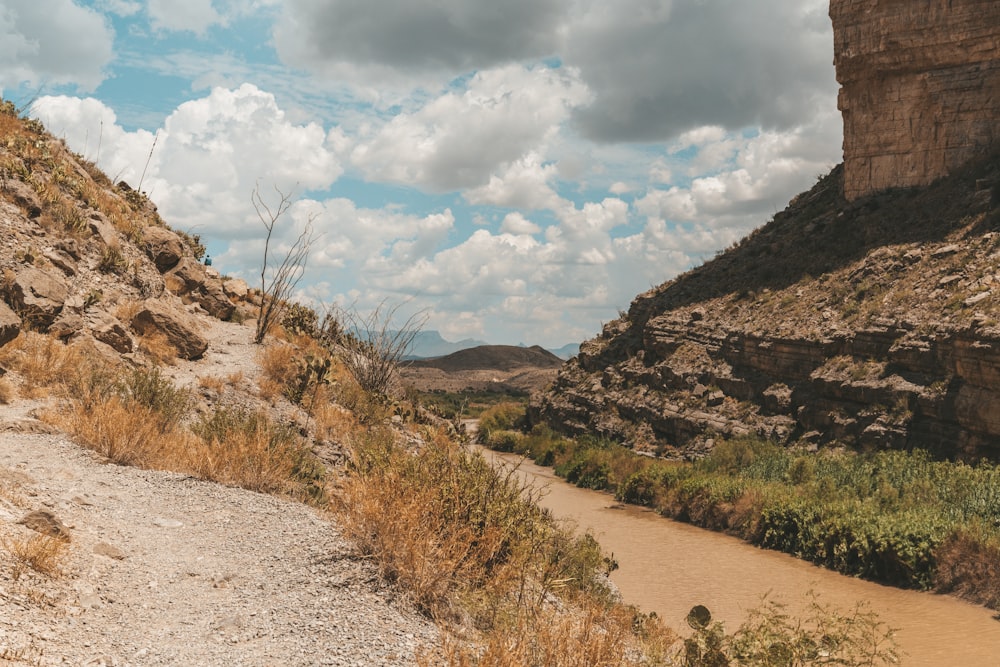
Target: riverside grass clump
(473, 549)
(896, 517)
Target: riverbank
(893, 517)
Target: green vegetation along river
(668, 567)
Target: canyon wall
(920, 88)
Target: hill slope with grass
(872, 323)
(172, 492)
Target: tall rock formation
(868, 312)
(920, 89)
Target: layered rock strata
(871, 324)
(920, 82)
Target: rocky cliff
(873, 323)
(919, 88)
(865, 313)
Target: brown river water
(668, 567)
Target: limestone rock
(66, 324)
(192, 283)
(235, 288)
(178, 327)
(38, 294)
(110, 331)
(918, 93)
(101, 228)
(163, 246)
(10, 324)
(46, 523)
(24, 196)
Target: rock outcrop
(178, 327)
(919, 88)
(873, 324)
(10, 324)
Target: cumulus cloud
(120, 7)
(752, 177)
(207, 158)
(660, 68)
(523, 183)
(53, 42)
(363, 40)
(515, 223)
(458, 139)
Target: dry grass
(277, 361)
(41, 553)
(42, 361)
(6, 391)
(212, 383)
(157, 347)
(128, 309)
(138, 420)
(585, 636)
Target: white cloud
(523, 184)
(749, 178)
(183, 15)
(120, 7)
(458, 139)
(515, 223)
(207, 158)
(53, 42)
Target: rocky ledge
(872, 323)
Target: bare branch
(373, 349)
(286, 276)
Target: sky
(516, 171)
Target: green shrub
(501, 417)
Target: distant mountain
(493, 357)
(567, 351)
(428, 344)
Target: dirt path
(163, 569)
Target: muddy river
(668, 567)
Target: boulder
(178, 327)
(193, 284)
(162, 246)
(38, 295)
(101, 228)
(235, 288)
(110, 331)
(10, 324)
(68, 323)
(188, 276)
(24, 196)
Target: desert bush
(248, 449)
(506, 416)
(450, 528)
(42, 553)
(149, 388)
(43, 362)
(501, 441)
(372, 346)
(769, 636)
(585, 636)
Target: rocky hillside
(82, 257)
(874, 323)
